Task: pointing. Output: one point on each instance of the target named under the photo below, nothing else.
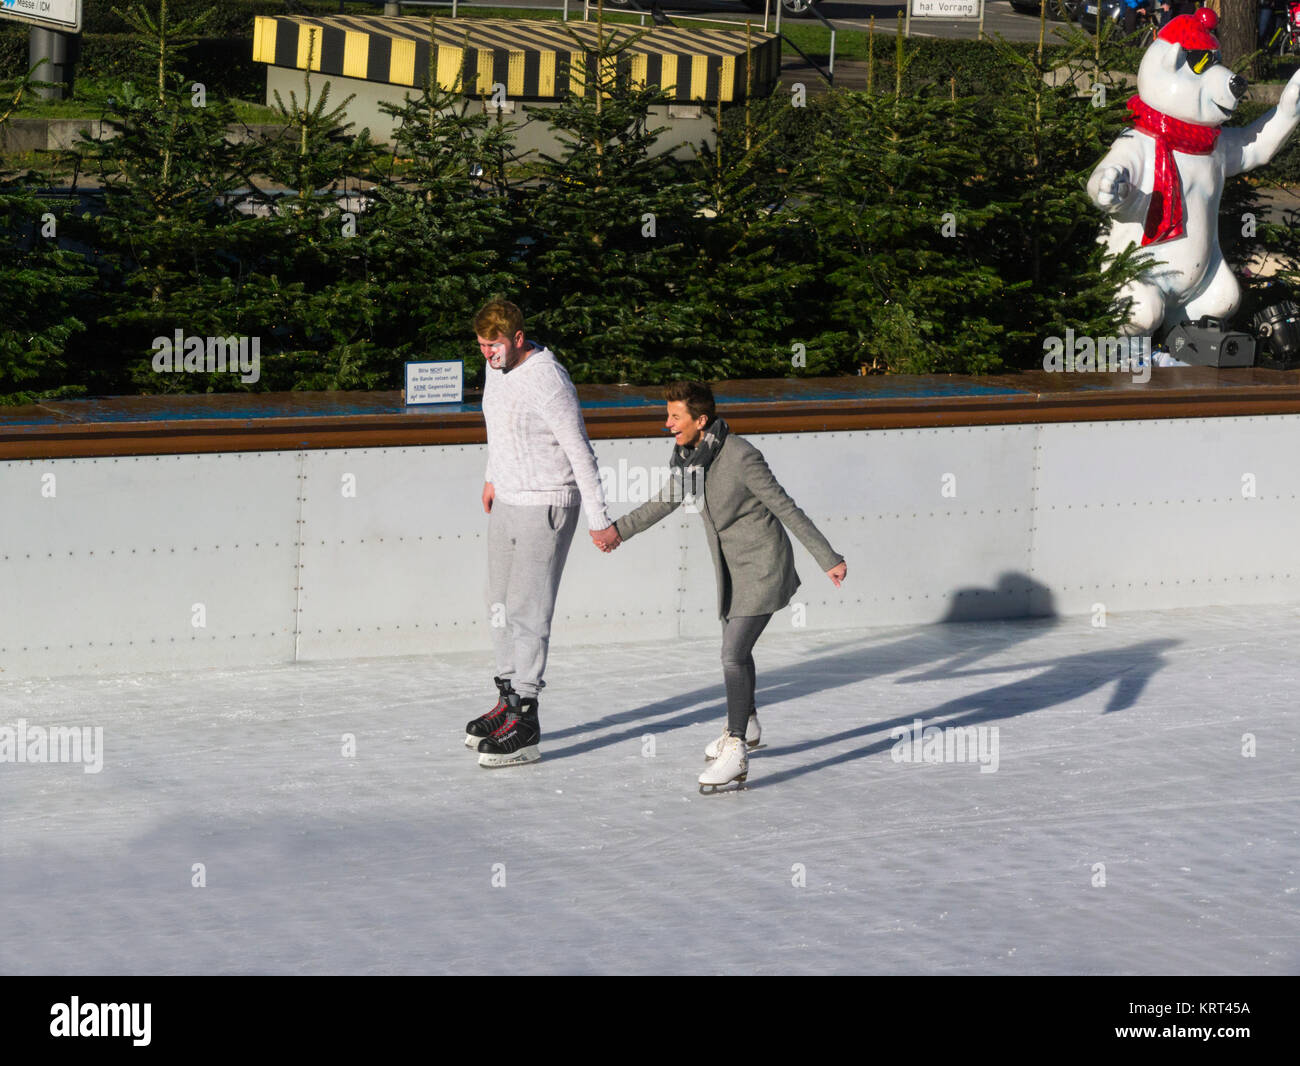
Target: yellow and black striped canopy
(533, 59)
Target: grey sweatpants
(527, 547)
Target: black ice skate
(483, 726)
(514, 742)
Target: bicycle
(1145, 33)
(1286, 38)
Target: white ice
(1120, 746)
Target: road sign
(945, 9)
(62, 15)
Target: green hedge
(223, 60)
(225, 65)
(230, 18)
(918, 235)
(977, 67)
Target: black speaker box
(1205, 343)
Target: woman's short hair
(696, 395)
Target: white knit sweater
(538, 450)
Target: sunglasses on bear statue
(1201, 60)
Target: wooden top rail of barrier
(292, 421)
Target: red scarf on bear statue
(1164, 219)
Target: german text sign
(435, 382)
(946, 9)
(62, 15)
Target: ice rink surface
(1126, 830)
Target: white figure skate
(728, 771)
(753, 734)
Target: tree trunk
(1237, 31)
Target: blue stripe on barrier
(227, 408)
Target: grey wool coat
(743, 509)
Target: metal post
(392, 10)
(907, 21)
(54, 46)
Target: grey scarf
(689, 464)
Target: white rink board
(106, 573)
(381, 568)
(636, 592)
(401, 567)
(1156, 514)
(885, 501)
(965, 522)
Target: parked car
(800, 9)
(1084, 12)
(1032, 7)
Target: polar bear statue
(1161, 180)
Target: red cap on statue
(1193, 32)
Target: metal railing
(455, 6)
(638, 9)
(673, 20)
(830, 75)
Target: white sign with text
(435, 382)
(946, 9)
(62, 15)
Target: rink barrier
(175, 425)
(161, 557)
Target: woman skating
(726, 480)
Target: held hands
(606, 539)
(837, 573)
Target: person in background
(1265, 21)
(1131, 9)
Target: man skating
(540, 466)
